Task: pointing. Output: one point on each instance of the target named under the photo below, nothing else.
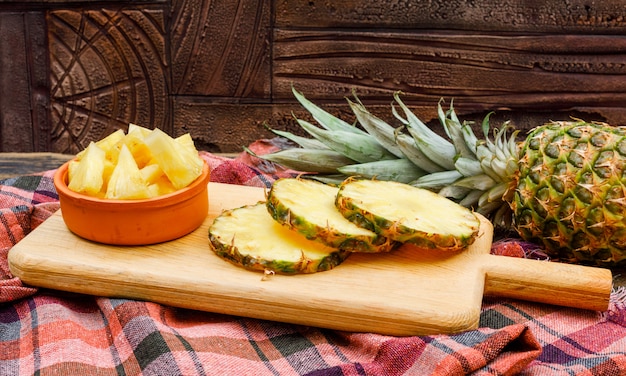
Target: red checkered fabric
(47, 332)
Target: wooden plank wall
(529, 60)
(73, 71)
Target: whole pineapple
(562, 187)
(570, 193)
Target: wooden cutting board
(410, 291)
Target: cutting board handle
(548, 282)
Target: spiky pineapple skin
(571, 192)
(318, 196)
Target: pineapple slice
(408, 214)
(249, 237)
(181, 164)
(86, 175)
(126, 181)
(308, 206)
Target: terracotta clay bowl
(134, 222)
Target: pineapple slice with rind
(248, 237)
(408, 214)
(126, 181)
(86, 175)
(308, 207)
(182, 165)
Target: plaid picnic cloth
(46, 332)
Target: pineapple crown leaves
(305, 142)
(479, 173)
(488, 167)
(357, 146)
(439, 150)
(325, 119)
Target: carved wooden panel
(221, 48)
(24, 122)
(481, 72)
(221, 71)
(108, 67)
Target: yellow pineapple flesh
(126, 180)
(181, 164)
(86, 175)
(105, 143)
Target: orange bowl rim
(197, 186)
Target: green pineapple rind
(305, 266)
(295, 217)
(226, 245)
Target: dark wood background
(74, 71)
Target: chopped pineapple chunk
(134, 140)
(126, 181)
(151, 173)
(106, 143)
(164, 185)
(138, 128)
(140, 164)
(86, 174)
(186, 141)
(181, 164)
